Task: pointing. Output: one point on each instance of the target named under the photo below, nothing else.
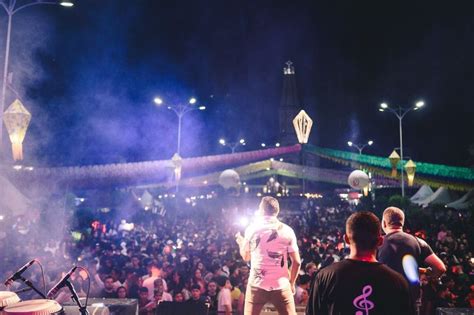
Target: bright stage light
(192, 100)
(222, 141)
(370, 142)
(384, 105)
(243, 221)
(202, 107)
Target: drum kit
(11, 304)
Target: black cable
(42, 275)
(89, 286)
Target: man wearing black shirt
(398, 244)
(360, 285)
(108, 292)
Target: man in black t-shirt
(360, 285)
(108, 292)
(398, 244)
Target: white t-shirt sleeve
(293, 247)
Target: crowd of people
(192, 257)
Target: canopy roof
(424, 192)
(464, 202)
(12, 201)
(441, 196)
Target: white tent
(12, 201)
(464, 202)
(441, 196)
(424, 192)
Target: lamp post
(360, 146)
(180, 110)
(232, 145)
(400, 112)
(10, 8)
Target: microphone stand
(30, 284)
(75, 297)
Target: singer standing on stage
(267, 244)
(360, 284)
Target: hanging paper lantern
(358, 179)
(410, 168)
(394, 159)
(302, 124)
(16, 119)
(178, 164)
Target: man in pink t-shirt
(267, 244)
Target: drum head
(34, 307)
(8, 298)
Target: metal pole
(401, 155)
(180, 115)
(5, 75)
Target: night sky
(89, 75)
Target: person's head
(304, 297)
(178, 297)
(304, 281)
(135, 261)
(122, 293)
(269, 206)
(363, 233)
(158, 285)
(212, 287)
(310, 268)
(223, 282)
(393, 219)
(195, 292)
(109, 283)
(143, 293)
(244, 270)
(197, 274)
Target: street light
(360, 146)
(232, 145)
(66, 4)
(180, 110)
(10, 8)
(400, 112)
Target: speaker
(105, 306)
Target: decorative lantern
(410, 168)
(16, 119)
(178, 164)
(302, 124)
(358, 179)
(394, 159)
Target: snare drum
(8, 298)
(34, 307)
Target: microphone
(19, 272)
(61, 283)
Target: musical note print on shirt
(362, 303)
